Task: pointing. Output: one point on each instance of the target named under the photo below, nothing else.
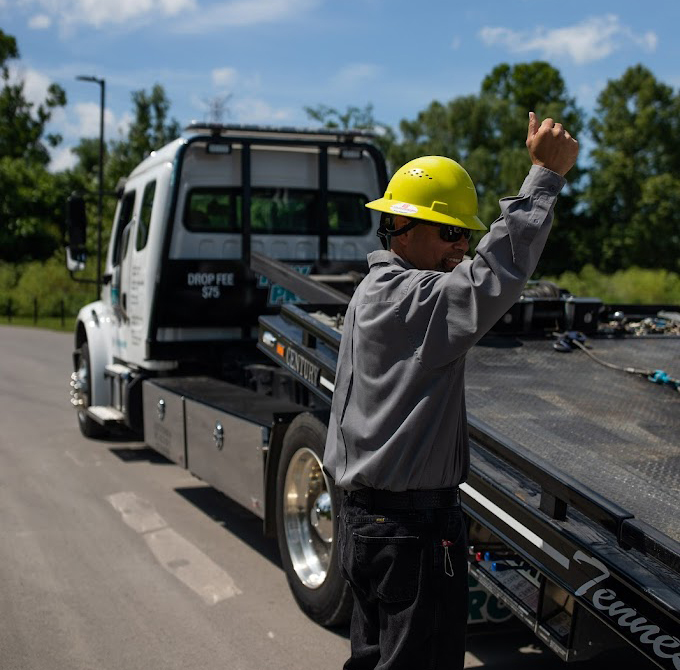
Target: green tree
(29, 197)
(87, 159)
(357, 118)
(22, 124)
(634, 193)
(150, 130)
(85, 178)
(486, 133)
(353, 117)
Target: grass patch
(634, 286)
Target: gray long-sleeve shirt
(398, 416)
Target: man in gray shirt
(397, 438)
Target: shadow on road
(135, 454)
(234, 518)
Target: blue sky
(273, 57)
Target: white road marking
(80, 462)
(175, 553)
(516, 525)
(74, 458)
(191, 566)
(136, 512)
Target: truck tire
(88, 427)
(306, 524)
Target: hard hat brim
(396, 208)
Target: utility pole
(100, 200)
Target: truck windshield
(275, 211)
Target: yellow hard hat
(433, 188)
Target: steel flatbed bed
(616, 433)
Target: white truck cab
(177, 280)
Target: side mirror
(74, 264)
(76, 228)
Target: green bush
(634, 286)
(49, 282)
(9, 275)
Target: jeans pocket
(391, 562)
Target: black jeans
(410, 586)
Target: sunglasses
(450, 233)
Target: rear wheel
(306, 515)
(81, 395)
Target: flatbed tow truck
(573, 491)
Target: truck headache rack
(579, 569)
(226, 129)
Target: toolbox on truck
(217, 430)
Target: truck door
(133, 275)
(112, 295)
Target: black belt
(429, 499)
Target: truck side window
(127, 206)
(275, 211)
(125, 245)
(145, 210)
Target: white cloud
(62, 159)
(190, 17)
(87, 120)
(592, 39)
(39, 22)
(224, 77)
(82, 120)
(455, 43)
(238, 13)
(35, 83)
(254, 110)
(98, 13)
(354, 74)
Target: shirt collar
(382, 257)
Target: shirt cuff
(540, 180)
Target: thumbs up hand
(550, 145)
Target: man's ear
(401, 243)
(399, 223)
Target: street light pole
(100, 201)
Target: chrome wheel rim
(80, 386)
(308, 518)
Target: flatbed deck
(616, 433)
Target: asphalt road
(113, 558)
